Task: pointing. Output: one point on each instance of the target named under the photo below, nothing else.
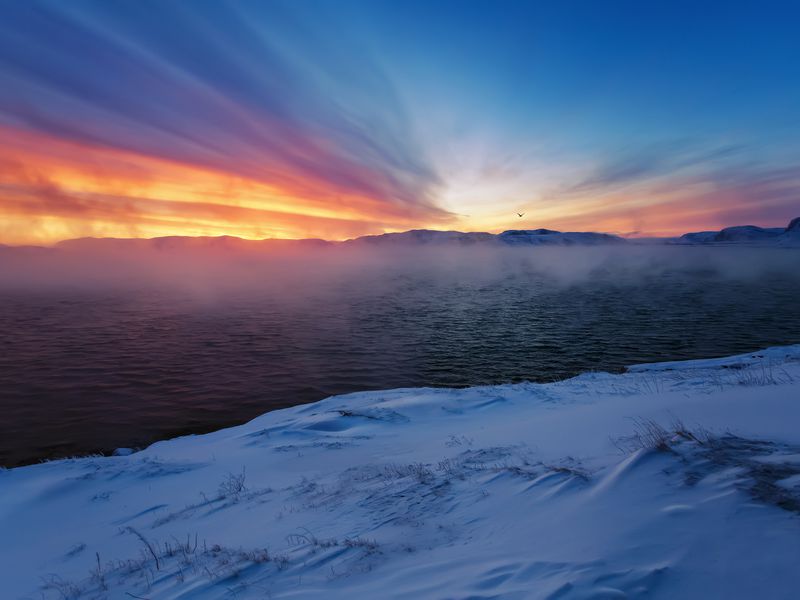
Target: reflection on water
(84, 371)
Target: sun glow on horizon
(53, 190)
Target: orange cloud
(52, 189)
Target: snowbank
(677, 480)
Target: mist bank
(210, 266)
(213, 269)
(747, 234)
(781, 236)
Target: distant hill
(739, 235)
(188, 243)
(548, 237)
(512, 237)
(425, 237)
(746, 234)
(413, 238)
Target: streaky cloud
(637, 164)
(242, 88)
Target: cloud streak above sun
(338, 119)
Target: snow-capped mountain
(512, 237)
(740, 234)
(424, 237)
(540, 237)
(748, 234)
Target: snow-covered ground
(678, 480)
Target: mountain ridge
(748, 234)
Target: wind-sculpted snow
(675, 480)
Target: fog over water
(120, 344)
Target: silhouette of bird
(520, 215)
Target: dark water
(85, 370)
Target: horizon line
(633, 235)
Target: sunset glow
(55, 189)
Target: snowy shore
(673, 480)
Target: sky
(335, 119)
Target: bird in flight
(520, 215)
